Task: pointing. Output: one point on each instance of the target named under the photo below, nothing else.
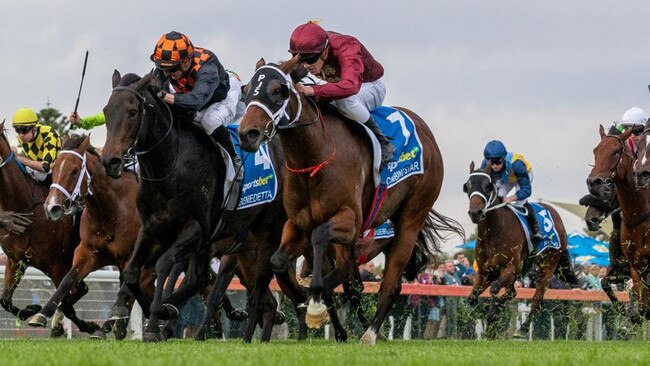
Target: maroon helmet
(308, 38)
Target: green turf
(452, 353)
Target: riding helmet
(495, 149)
(308, 38)
(634, 116)
(170, 49)
(24, 117)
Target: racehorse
(502, 252)
(109, 223)
(613, 173)
(47, 246)
(619, 268)
(331, 187)
(179, 199)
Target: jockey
(634, 117)
(199, 83)
(512, 170)
(348, 76)
(40, 144)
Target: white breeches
(504, 188)
(222, 113)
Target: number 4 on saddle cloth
(546, 227)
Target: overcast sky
(540, 76)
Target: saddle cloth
(546, 227)
(399, 128)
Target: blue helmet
(494, 149)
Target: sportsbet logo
(404, 156)
(261, 181)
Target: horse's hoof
(341, 336)
(201, 334)
(57, 331)
(280, 318)
(520, 336)
(98, 334)
(38, 320)
(89, 327)
(238, 315)
(119, 312)
(316, 314)
(168, 312)
(152, 337)
(29, 311)
(119, 327)
(369, 337)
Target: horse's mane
(74, 141)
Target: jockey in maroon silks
(348, 76)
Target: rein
(489, 201)
(73, 197)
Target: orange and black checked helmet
(170, 49)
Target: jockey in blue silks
(512, 170)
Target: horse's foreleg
(83, 263)
(338, 229)
(144, 252)
(14, 272)
(480, 284)
(164, 265)
(217, 293)
(544, 273)
(179, 267)
(196, 277)
(635, 299)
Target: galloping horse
(327, 204)
(179, 202)
(502, 251)
(109, 223)
(46, 245)
(613, 168)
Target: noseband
(72, 198)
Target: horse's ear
(261, 62)
(601, 130)
(84, 144)
(2, 125)
(298, 72)
(287, 66)
(471, 166)
(116, 78)
(627, 133)
(144, 82)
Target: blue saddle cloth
(399, 127)
(260, 184)
(546, 227)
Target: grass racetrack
(319, 352)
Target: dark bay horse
(619, 268)
(613, 173)
(502, 252)
(326, 205)
(45, 245)
(109, 223)
(179, 201)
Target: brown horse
(502, 252)
(109, 223)
(46, 245)
(613, 173)
(327, 204)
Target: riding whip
(83, 73)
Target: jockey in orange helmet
(349, 76)
(199, 83)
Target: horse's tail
(564, 271)
(437, 227)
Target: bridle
(73, 198)
(609, 181)
(489, 201)
(142, 108)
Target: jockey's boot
(531, 217)
(387, 148)
(222, 137)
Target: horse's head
(267, 99)
(481, 192)
(608, 155)
(124, 113)
(642, 164)
(70, 177)
(597, 210)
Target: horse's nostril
(252, 135)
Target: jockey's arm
(36, 165)
(207, 81)
(352, 70)
(523, 180)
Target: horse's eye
(75, 171)
(133, 113)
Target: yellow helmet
(25, 117)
